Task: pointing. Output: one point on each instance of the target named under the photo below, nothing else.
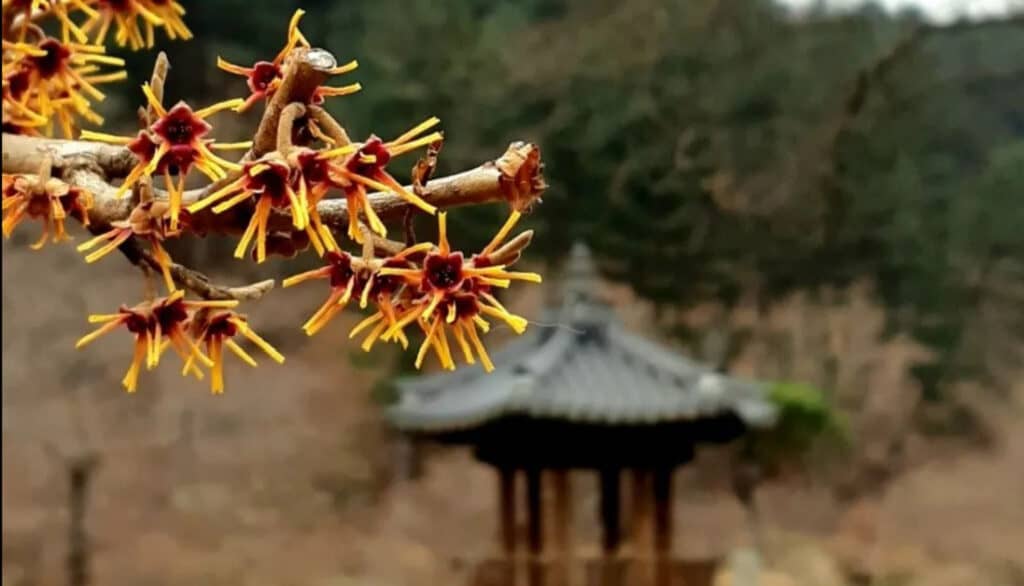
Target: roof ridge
(550, 353)
(656, 355)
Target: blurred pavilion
(584, 394)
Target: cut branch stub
(304, 71)
(522, 179)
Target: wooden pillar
(663, 525)
(507, 511)
(609, 569)
(408, 460)
(535, 527)
(80, 474)
(642, 513)
(610, 510)
(503, 570)
(558, 522)
(642, 525)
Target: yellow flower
(365, 167)
(442, 293)
(444, 272)
(172, 145)
(126, 14)
(264, 77)
(25, 9)
(156, 325)
(50, 202)
(217, 329)
(137, 322)
(343, 278)
(171, 13)
(269, 181)
(55, 79)
(147, 221)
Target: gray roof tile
(587, 369)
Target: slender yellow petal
(231, 146)
(460, 337)
(364, 299)
(321, 273)
(243, 243)
(152, 101)
(131, 378)
(217, 374)
(502, 234)
(234, 347)
(341, 69)
(481, 351)
(232, 202)
(232, 68)
(104, 317)
(434, 300)
(427, 343)
(219, 106)
(365, 324)
(503, 283)
(332, 92)
(259, 342)
(518, 324)
(442, 232)
(228, 189)
(101, 331)
(411, 146)
(444, 350)
(104, 137)
(215, 303)
(374, 334)
(421, 247)
(416, 130)
(119, 239)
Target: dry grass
(286, 478)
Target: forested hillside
(716, 149)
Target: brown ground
(286, 479)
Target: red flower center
(474, 285)
(374, 147)
(136, 323)
(39, 206)
(179, 159)
(73, 204)
(181, 126)
(18, 83)
(221, 327)
(466, 306)
(143, 147)
(443, 272)
(117, 5)
(388, 284)
(341, 268)
(271, 182)
(170, 315)
(263, 74)
(54, 60)
(314, 169)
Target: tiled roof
(585, 369)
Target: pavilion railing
(533, 570)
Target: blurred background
(824, 194)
